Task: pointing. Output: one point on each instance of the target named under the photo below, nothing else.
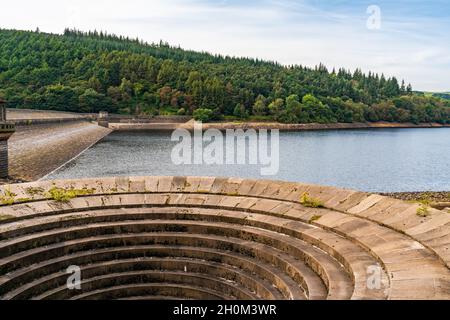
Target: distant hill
(89, 72)
(442, 95)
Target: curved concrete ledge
(150, 237)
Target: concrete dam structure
(217, 238)
(7, 129)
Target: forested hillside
(89, 72)
(442, 95)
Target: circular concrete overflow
(217, 238)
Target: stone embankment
(218, 238)
(310, 126)
(144, 126)
(39, 149)
(126, 126)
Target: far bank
(136, 125)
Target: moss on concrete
(310, 202)
(65, 195)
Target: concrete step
(153, 289)
(260, 268)
(260, 253)
(262, 288)
(224, 287)
(353, 257)
(321, 263)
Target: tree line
(95, 71)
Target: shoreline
(311, 126)
(166, 126)
(438, 200)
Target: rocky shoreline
(438, 200)
(309, 126)
(420, 196)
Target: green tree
(276, 107)
(203, 115)
(92, 102)
(167, 73)
(60, 97)
(240, 111)
(316, 110)
(260, 108)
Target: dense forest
(90, 72)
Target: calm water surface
(381, 160)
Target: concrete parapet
(7, 129)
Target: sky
(404, 38)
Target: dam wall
(37, 150)
(27, 117)
(7, 129)
(45, 140)
(3, 158)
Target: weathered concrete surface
(143, 126)
(27, 114)
(6, 130)
(4, 168)
(37, 150)
(228, 238)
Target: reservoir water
(379, 160)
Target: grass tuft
(423, 211)
(6, 217)
(35, 191)
(7, 198)
(314, 218)
(65, 195)
(310, 202)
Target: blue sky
(412, 42)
